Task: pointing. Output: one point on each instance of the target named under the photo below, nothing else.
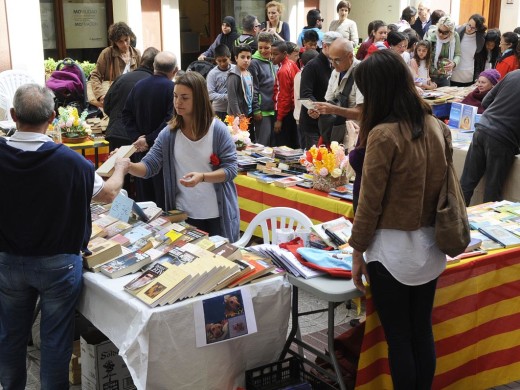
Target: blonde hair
(446, 22)
(277, 4)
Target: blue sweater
(45, 204)
(162, 155)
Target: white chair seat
(271, 219)
(10, 80)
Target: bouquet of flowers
(71, 124)
(238, 126)
(329, 165)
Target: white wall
(509, 16)
(25, 37)
(171, 27)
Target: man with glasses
(344, 101)
(314, 22)
(314, 80)
(250, 29)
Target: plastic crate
(283, 375)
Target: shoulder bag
(452, 232)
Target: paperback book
(125, 264)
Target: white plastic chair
(279, 218)
(10, 80)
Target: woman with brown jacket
(115, 60)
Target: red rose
(214, 160)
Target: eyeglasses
(337, 61)
(472, 28)
(443, 32)
(321, 20)
(258, 25)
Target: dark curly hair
(119, 30)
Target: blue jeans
(58, 281)
(406, 316)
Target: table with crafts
(159, 347)
(94, 150)
(476, 325)
(254, 197)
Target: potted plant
(238, 126)
(328, 165)
(72, 127)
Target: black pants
(486, 155)
(406, 316)
(211, 225)
(289, 134)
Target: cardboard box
(75, 364)
(101, 366)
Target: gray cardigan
(161, 155)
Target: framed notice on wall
(85, 25)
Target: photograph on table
(223, 317)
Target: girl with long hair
(420, 65)
(393, 235)
(198, 159)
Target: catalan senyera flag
(476, 325)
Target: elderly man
(147, 111)
(44, 226)
(314, 80)
(423, 22)
(342, 91)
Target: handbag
(452, 232)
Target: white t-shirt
(30, 142)
(413, 258)
(200, 202)
(463, 72)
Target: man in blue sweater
(45, 223)
(147, 111)
(495, 142)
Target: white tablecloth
(158, 345)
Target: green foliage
(50, 66)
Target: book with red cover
(261, 267)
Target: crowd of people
(328, 86)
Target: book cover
(467, 117)
(261, 267)
(164, 284)
(288, 181)
(175, 215)
(105, 221)
(147, 277)
(137, 233)
(125, 264)
(118, 227)
(101, 251)
(122, 240)
(206, 243)
(195, 235)
(152, 212)
(229, 251)
(107, 168)
(501, 235)
(455, 115)
(244, 268)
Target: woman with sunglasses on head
(472, 41)
(446, 51)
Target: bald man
(147, 111)
(343, 97)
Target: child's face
(295, 55)
(277, 55)
(422, 52)
(226, 28)
(264, 48)
(243, 60)
(490, 45)
(308, 45)
(223, 62)
(380, 34)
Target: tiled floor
(313, 328)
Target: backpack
(202, 67)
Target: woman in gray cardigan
(199, 161)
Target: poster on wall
(85, 25)
(48, 30)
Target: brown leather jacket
(109, 65)
(401, 180)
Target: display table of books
(254, 196)
(159, 344)
(476, 315)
